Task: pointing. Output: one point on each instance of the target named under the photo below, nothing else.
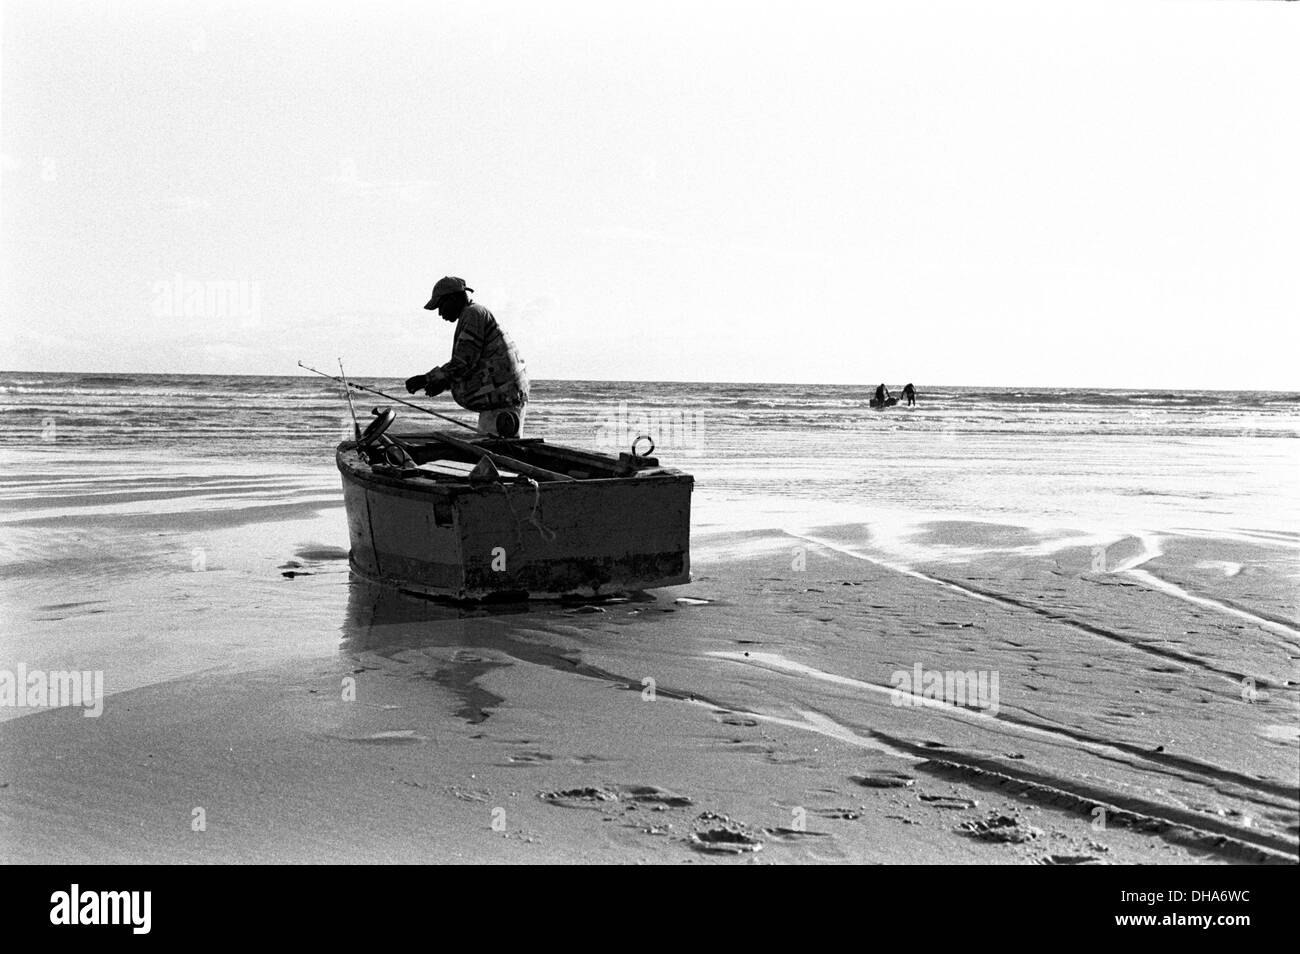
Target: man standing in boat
(485, 373)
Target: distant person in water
(909, 392)
(882, 393)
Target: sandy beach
(1139, 700)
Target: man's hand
(435, 382)
(416, 383)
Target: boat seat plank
(455, 468)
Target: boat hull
(584, 537)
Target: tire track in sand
(986, 596)
(1180, 824)
(1166, 763)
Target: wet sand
(265, 706)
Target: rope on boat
(547, 533)
(534, 517)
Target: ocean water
(764, 455)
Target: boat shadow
(381, 618)
(384, 620)
(466, 639)
(470, 639)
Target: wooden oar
(500, 460)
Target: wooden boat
(486, 517)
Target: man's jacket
(485, 370)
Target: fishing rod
(391, 397)
(347, 393)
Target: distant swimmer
(882, 394)
(909, 392)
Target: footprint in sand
(884, 780)
(1002, 829)
(653, 794)
(839, 814)
(717, 834)
(588, 797)
(725, 841)
(793, 834)
(949, 801)
(468, 794)
(735, 718)
(1071, 860)
(530, 758)
(595, 796)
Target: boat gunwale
(361, 471)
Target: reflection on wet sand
(457, 644)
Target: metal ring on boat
(638, 439)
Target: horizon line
(1005, 387)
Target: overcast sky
(1079, 194)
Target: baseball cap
(445, 287)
